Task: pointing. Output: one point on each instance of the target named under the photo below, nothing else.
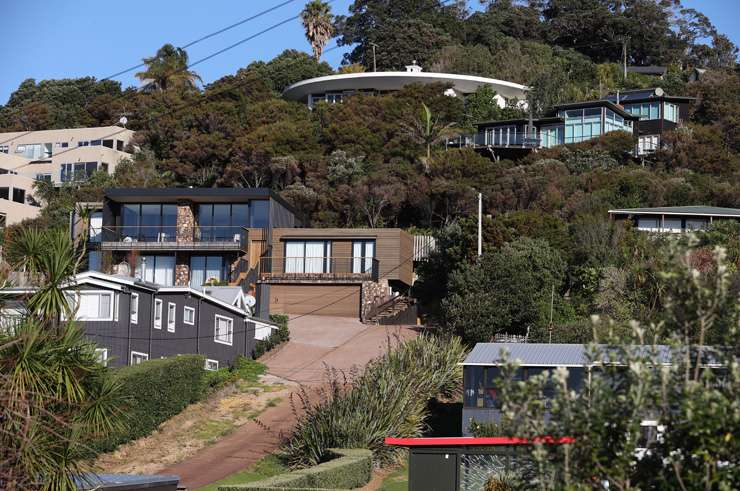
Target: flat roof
(713, 211)
(197, 195)
(536, 121)
(600, 103)
(642, 95)
(472, 441)
(543, 354)
(396, 80)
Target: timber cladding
(335, 300)
(394, 248)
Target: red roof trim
(468, 441)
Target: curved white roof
(386, 81)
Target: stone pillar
(182, 269)
(372, 293)
(185, 222)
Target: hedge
(352, 468)
(155, 391)
(278, 337)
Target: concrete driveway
(316, 343)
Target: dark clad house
(251, 239)
(657, 111)
(133, 321)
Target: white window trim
(208, 360)
(185, 317)
(171, 319)
(131, 357)
(116, 302)
(158, 323)
(102, 356)
(134, 313)
(75, 297)
(215, 336)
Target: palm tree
(319, 23)
(55, 397)
(427, 130)
(168, 69)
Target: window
(43, 177)
(670, 112)
(92, 305)
(137, 357)
(62, 145)
(211, 365)
(134, 308)
(307, 256)
(158, 314)
(79, 171)
(648, 224)
(648, 144)
(697, 224)
(4, 193)
(672, 224)
(156, 269)
(119, 145)
(363, 252)
(647, 110)
(260, 216)
(83, 143)
(204, 269)
(102, 354)
(171, 310)
(222, 222)
(19, 195)
(95, 143)
(10, 319)
(223, 330)
(4, 148)
(188, 315)
(149, 222)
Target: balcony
(331, 269)
(512, 139)
(170, 238)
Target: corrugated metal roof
(681, 210)
(548, 355)
(528, 354)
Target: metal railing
(163, 234)
(319, 268)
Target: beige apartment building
(58, 156)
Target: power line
(201, 60)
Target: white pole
(480, 224)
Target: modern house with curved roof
(334, 88)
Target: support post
(480, 224)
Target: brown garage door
(339, 300)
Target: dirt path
(316, 343)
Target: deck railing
(166, 237)
(319, 268)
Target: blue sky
(45, 39)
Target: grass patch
(397, 480)
(273, 402)
(212, 429)
(266, 467)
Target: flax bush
(358, 410)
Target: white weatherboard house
(334, 88)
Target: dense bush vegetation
(242, 369)
(389, 397)
(278, 337)
(345, 469)
(153, 392)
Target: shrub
(389, 399)
(347, 469)
(153, 392)
(243, 369)
(278, 337)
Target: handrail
(169, 233)
(319, 266)
(379, 307)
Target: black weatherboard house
(185, 236)
(133, 320)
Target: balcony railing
(318, 269)
(482, 139)
(156, 237)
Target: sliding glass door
(307, 256)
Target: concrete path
(317, 342)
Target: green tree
(428, 130)
(168, 69)
(319, 24)
(506, 291)
(55, 394)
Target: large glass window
(307, 256)
(363, 252)
(670, 112)
(156, 269)
(204, 269)
(92, 306)
(223, 330)
(260, 214)
(149, 222)
(645, 110)
(648, 223)
(222, 222)
(78, 171)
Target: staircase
(388, 310)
